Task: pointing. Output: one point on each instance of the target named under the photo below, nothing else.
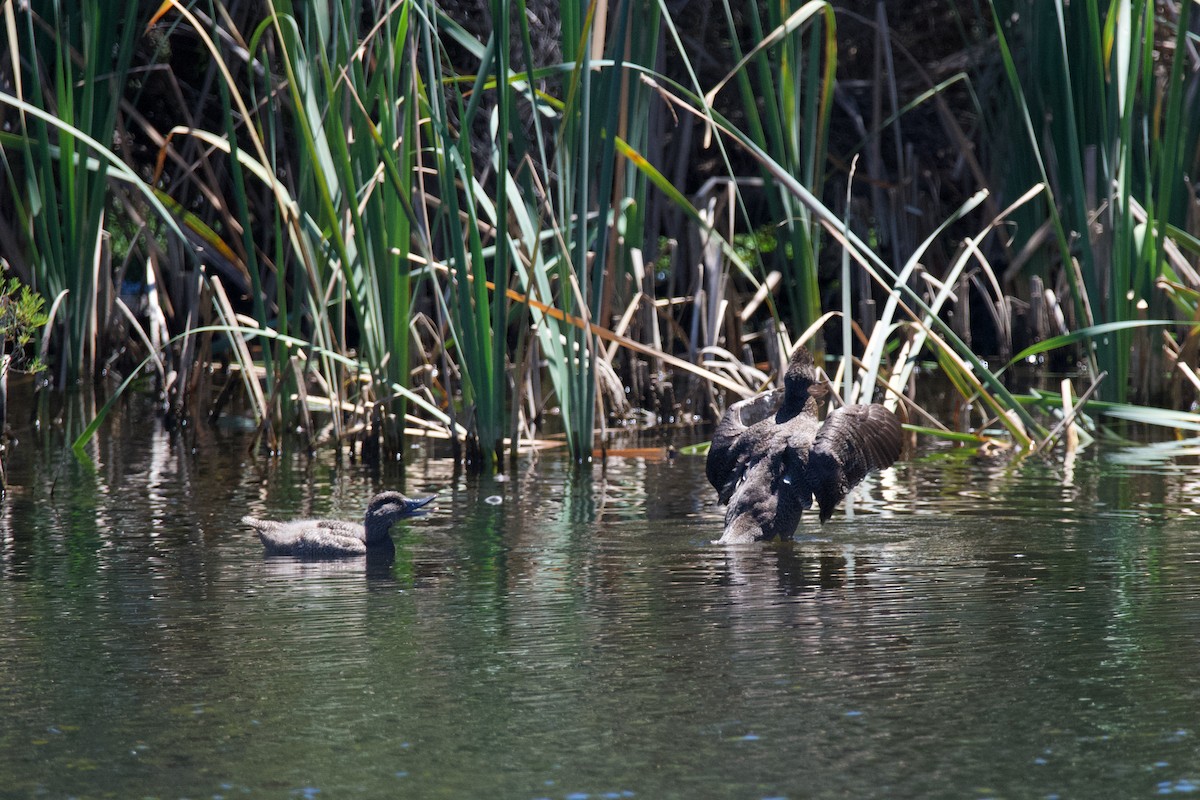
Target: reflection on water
(970, 629)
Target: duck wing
(722, 465)
(737, 437)
(853, 441)
(310, 538)
(326, 542)
(339, 526)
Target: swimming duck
(330, 538)
(770, 456)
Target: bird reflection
(790, 570)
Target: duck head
(803, 387)
(388, 507)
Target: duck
(771, 456)
(333, 538)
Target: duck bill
(416, 507)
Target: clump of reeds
(489, 225)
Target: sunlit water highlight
(970, 630)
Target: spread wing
(853, 441)
(730, 448)
(723, 464)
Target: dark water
(972, 631)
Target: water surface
(972, 629)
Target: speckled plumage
(770, 456)
(332, 538)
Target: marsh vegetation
(517, 224)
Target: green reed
(1114, 143)
(785, 84)
(378, 159)
(558, 196)
(353, 102)
(73, 63)
(325, 123)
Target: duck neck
(377, 528)
(797, 399)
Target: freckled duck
(770, 456)
(330, 538)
